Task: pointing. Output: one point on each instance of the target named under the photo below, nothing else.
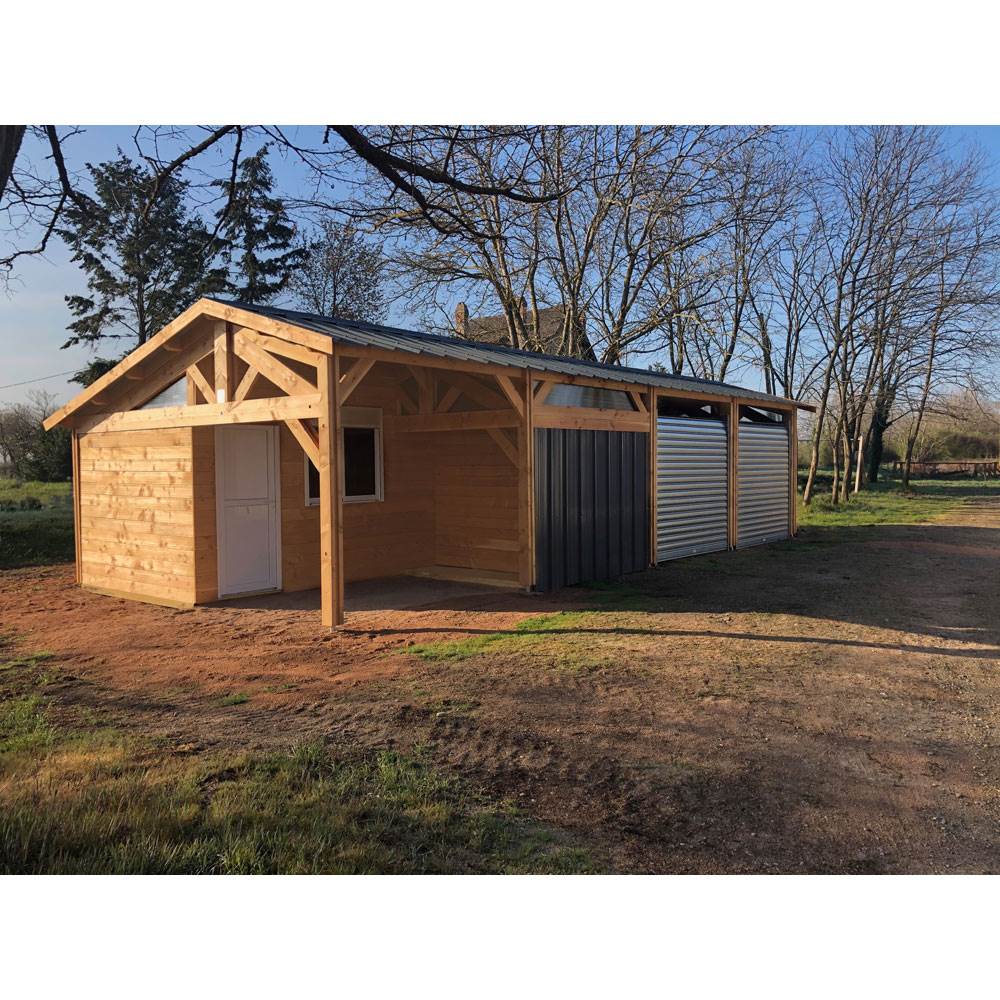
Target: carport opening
(440, 506)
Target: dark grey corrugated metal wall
(591, 505)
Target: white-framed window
(361, 454)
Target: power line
(28, 381)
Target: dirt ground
(825, 705)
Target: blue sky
(33, 315)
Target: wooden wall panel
(205, 518)
(387, 538)
(476, 503)
(137, 513)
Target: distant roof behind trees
(548, 337)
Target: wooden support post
(223, 351)
(331, 522)
(526, 480)
(733, 466)
(793, 472)
(75, 448)
(652, 477)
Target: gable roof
(409, 341)
(314, 331)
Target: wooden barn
(247, 449)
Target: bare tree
(342, 274)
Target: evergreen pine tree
(144, 264)
(258, 233)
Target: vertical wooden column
(793, 471)
(223, 362)
(526, 482)
(652, 477)
(734, 457)
(331, 496)
(75, 450)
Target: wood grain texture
(137, 514)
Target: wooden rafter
(284, 348)
(246, 383)
(272, 368)
(449, 398)
(201, 383)
(425, 387)
(544, 388)
(476, 390)
(352, 379)
(510, 391)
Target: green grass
(238, 698)
(886, 503)
(524, 634)
(79, 798)
(36, 523)
(50, 495)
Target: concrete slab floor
(393, 593)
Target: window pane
(565, 394)
(173, 395)
(359, 461)
(313, 481)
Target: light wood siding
(137, 513)
(205, 518)
(475, 504)
(382, 538)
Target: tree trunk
(11, 137)
(876, 436)
(859, 463)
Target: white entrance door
(246, 489)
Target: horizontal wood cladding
(206, 540)
(138, 510)
(381, 538)
(475, 503)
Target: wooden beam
(526, 491)
(350, 381)
(448, 399)
(275, 345)
(275, 371)
(510, 391)
(586, 418)
(473, 420)
(251, 411)
(173, 368)
(652, 477)
(282, 329)
(246, 384)
(223, 352)
(173, 329)
(75, 445)
(331, 527)
(308, 441)
(201, 383)
(543, 390)
(637, 399)
(425, 386)
(505, 444)
(475, 390)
